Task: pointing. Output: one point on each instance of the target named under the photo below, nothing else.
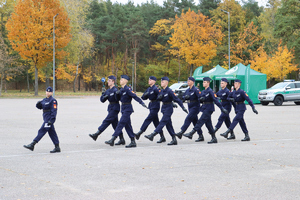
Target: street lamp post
(228, 36)
(54, 54)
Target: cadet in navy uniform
(239, 96)
(208, 98)
(223, 94)
(167, 97)
(113, 110)
(49, 106)
(125, 95)
(154, 106)
(191, 96)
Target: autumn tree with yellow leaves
(195, 38)
(30, 31)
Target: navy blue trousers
(152, 117)
(111, 118)
(205, 119)
(124, 122)
(192, 117)
(239, 118)
(223, 118)
(51, 131)
(166, 121)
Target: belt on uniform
(166, 103)
(188, 101)
(209, 102)
(46, 111)
(224, 101)
(113, 102)
(153, 101)
(240, 102)
(126, 103)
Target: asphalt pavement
(267, 167)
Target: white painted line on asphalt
(166, 146)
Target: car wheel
(278, 101)
(297, 102)
(264, 103)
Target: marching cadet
(208, 98)
(113, 110)
(49, 106)
(223, 94)
(238, 97)
(191, 96)
(154, 106)
(167, 97)
(125, 95)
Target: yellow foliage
(66, 72)
(195, 38)
(276, 66)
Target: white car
(179, 89)
(281, 92)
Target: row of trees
(95, 39)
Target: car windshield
(279, 86)
(175, 86)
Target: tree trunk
(5, 88)
(1, 84)
(125, 60)
(179, 68)
(113, 58)
(74, 85)
(36, 82)
(27, 76)
(134, 71)
(191, 71)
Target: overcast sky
(160, 2)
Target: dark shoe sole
(149, 138)
(137, 136)
(28, 148)
(122, 143)
(130, 146)
(188, 136)
(179, 136)
(93, 137)
(231, 138)
(109, 144)
(223, 135)
(199, 140)
(172, 144)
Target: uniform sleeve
(145, 97)
(245, 96)
(198, 93)
(53, 111)
(215, 99)
(102, 97)
(133, 95)
(39, 105)
(176, 99)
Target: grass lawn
(58, 94)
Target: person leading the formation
(238, 98)
(49, 107)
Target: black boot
(179, 134)
(151, 136)
(111, 142)
(225, 135)
(30, 146)
(95, 135)
(174, 141)
(232, 136)
(162, 138)
(56, 149)
(216, 129)
(200, 139)
(213, 139)
(247, 138)
(121, 141)
(190, 134)
(132, 143)
(138, 135)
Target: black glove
(144, 105)
(231, 99)
(175, 105)
(187, 97)
(118, 92)
(185, 110)
(235, 111)
(254, 110)
(160, 97)
(105, 97)
(49, 123)
(202, 99)
(224, 110)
